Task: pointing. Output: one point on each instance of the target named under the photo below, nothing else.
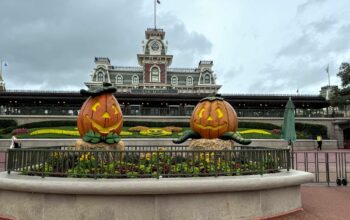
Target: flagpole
(155, 12)
(329, 80)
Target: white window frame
(204, 78)
(187, 81)
(100, 77)
(133, 81)
(151, 77)
(119, 77)
(174, 80)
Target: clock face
(155, 46)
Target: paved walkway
(321, 202)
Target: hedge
(43, 124)
(258, 125)
(4, 123)
(7, 130)
(312, 129)
(155, 124)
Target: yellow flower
(125, 133)
(155, 132)
(56, 155)
(86, 156)
(207, 159)
(257, 131)
(55, 131)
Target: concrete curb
(85, 186)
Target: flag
(4, 63)
(327, 69)
(158, 1)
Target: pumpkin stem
(187, 134)
(236, 137)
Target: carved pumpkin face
(101, 114)
(213, 117)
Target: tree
(336, 99)
(344, 74)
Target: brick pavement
(321, 202)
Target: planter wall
(239, 197)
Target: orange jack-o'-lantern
(213, 117)
(100, 113)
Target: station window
(100, 77)
(119, 79)
(189, 81)
(135, 79)
(174, 80)
(155, 76)
(206, 79)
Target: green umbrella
(288, 127)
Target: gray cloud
(187, 47)
(324, 25)
(308, 4)
(300, 46)
(303, 58)
(51, 45)
(340, 43)
(296, 76)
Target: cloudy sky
(258, 46)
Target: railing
(328, 167)
(3, 160)
(146, 162)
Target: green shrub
(4, 123)
(258, 125)
(155, 124)
(46, 124)
(7, 130)
(311, 130)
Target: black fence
(146, 162)
(331, 167)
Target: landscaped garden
(68, 129)
(147, 162)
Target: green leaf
(88, 136)
(112, 138)
(109, 135)
(92, 137)
(95, 140)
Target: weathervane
(155, 12)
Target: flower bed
(146, 163)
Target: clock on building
(154, 46)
